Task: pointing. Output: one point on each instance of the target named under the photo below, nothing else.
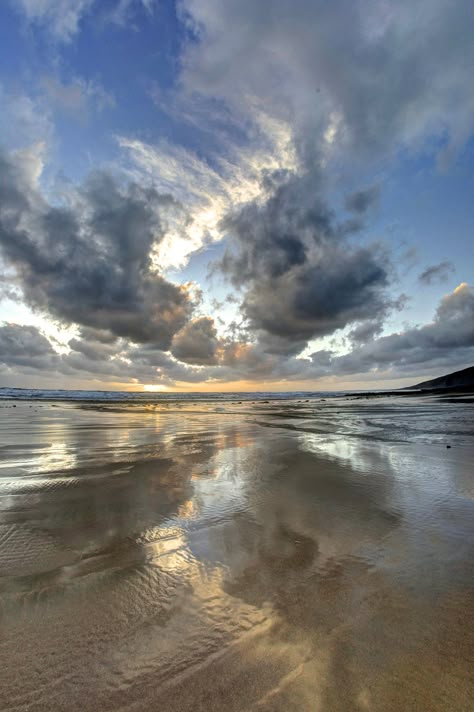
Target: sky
(209, 195)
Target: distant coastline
(456, 384)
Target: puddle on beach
(314, 556)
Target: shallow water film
(237, 556)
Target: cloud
(92, 356)
(345, 74)
(76, 96)
(301, 276)
(26, 346)
(94, 348)
(196, 343)
(361, 200)
(366, 331)
(90, 262)
(440, 346)
(282, 99)
(352, 89)
(446, 342)
(436, 274)
(60, 17)
(231, 175)
(23, 120)
(123, 12)
(317, 298)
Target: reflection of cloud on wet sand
(311, 553)
(118, 582)
(93, 513)
(217, 565)
(105, 503)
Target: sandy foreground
(237, 556)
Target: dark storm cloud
(196, 343)
(91, 262)
(275, 236)
(301, 275)
(366, 331)
(436, 274)
(320, 297)
(249, 360)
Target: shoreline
(139, 397)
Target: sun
(153, 387)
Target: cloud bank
(198, 354)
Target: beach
(301, 554)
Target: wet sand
(311, 556)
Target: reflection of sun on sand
(187, 510)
